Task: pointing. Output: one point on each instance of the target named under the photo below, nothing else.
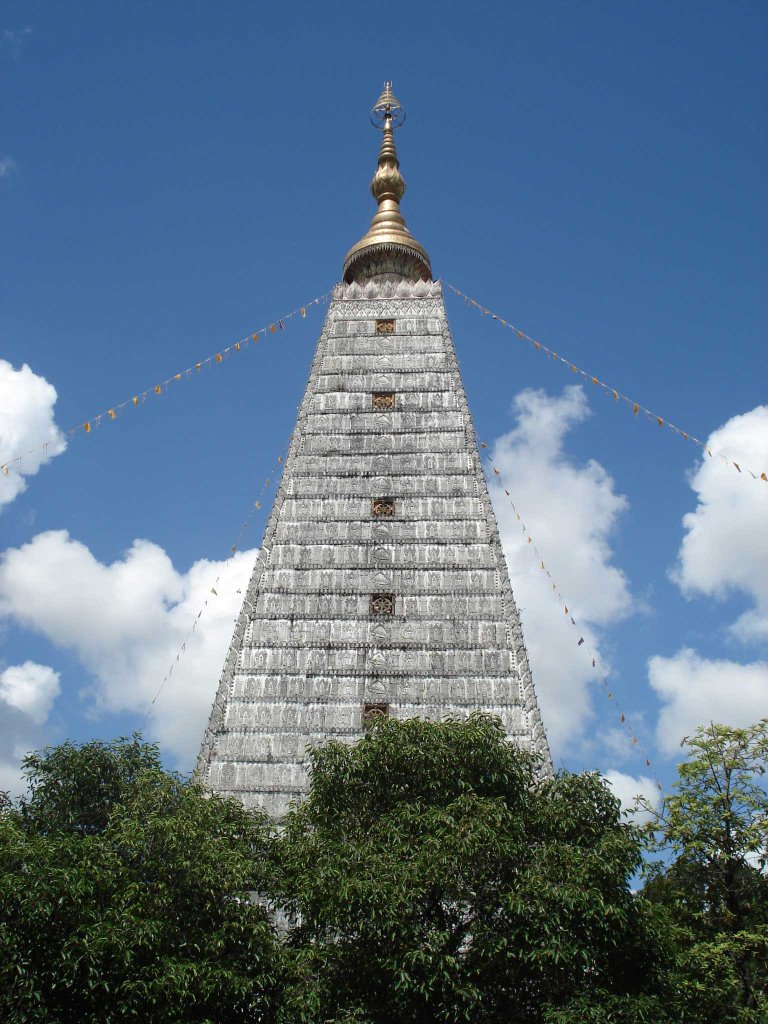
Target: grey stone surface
(307, 653)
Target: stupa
(380, 586)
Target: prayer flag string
(568, 612)
(158, 389)
(212, 591)
(617, 396)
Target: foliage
(713, 832)
(124, 895)
(431, 875)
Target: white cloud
(570, 510)
(7, 166)
(695, 690)
(26, 427)
(30, 688)
(628, 787)
(27, 694)
(126, 621)
(725, 548)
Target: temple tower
(381, 586)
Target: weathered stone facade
(381, 583)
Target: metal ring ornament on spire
(388, 108)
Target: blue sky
(174, 176)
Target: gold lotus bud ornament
(388, 247)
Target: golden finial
(388, 247)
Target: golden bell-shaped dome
(388, 247)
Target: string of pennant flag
(87, 426)
(617, 395)
(213, 592)
(582, 642)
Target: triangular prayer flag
(303, 311)
(255, 337)
(214, 591)
(158, 389)
(112, 414)
(581, 641)
(87, 428)
(135, 399)
(272, 328)
(237, 346)
(635, 407)
(218, 357)
(281, 325)
(660, 421)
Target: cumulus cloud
(696, 690)
(571, 510)
(30, 688)
(725, 548)
(26, 427)
(126, 621)
(27, 694)
(629, 787)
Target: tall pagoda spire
(388, 246)
(380, 586)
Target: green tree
(433, 875)
(124, 895)
(711, 835)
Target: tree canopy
(711, 835)
(124, 895)
(432, 874)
